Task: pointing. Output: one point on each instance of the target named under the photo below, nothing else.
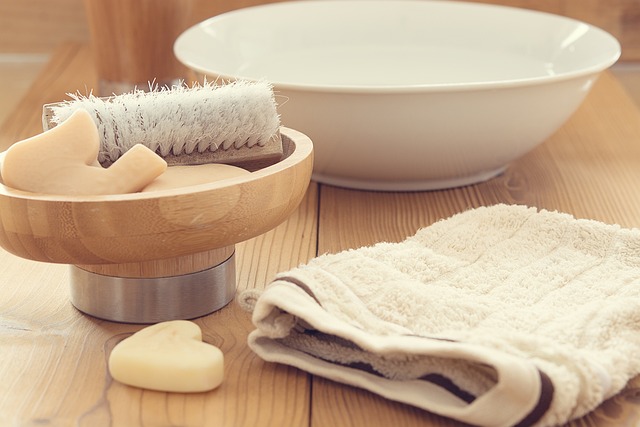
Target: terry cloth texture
(498, 316)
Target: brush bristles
(181, 120)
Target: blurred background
(30, 30)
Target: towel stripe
(447, 384)
(544, 402)
(546, 385)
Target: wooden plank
(589, 168)
(53, 364)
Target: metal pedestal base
(153, 300)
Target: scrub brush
(235, 123)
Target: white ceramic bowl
(404, 94)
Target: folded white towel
(498, 316)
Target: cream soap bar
(184, 176)
(63, 161)
(168, 356)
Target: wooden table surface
(53, 358)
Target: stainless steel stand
(153, 300)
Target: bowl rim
(615, 52)
(303, 148)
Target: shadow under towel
(498, 316)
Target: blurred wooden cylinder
(132, 41)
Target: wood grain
(140, 227)
(133, 40)
(53, 359)
(175, 266)
(53, 363)
(41, 25)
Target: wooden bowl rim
(303, 148)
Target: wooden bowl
(158, 225)
(158, 234)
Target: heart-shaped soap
(168, 356)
